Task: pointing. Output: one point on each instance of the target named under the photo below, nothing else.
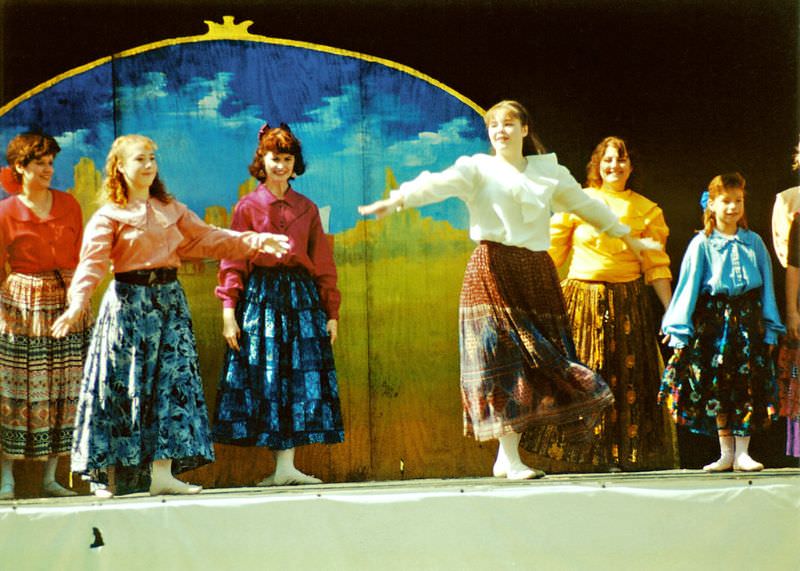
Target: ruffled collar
(533, 186)
(721, 241)
(135, 213)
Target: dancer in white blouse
(518, 366)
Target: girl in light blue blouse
(723, 323)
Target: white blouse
(509, 206)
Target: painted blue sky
(204, 102)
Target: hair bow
(704, 199)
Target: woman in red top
(278, 387)
(40, 238)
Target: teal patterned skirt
(141, 397)
(280, 390)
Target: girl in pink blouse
(141, 400)
(40, 236)
(278, 387)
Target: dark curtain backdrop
(697, 88)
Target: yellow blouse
(598, 257)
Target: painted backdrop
(365, 123)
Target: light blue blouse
(726, 265)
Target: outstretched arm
(381, 208)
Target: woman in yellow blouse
(614, 324)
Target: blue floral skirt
(725, 369)
(141, 397)
(280, 389)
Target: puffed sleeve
(677, 321)
(95, 259)
(459, 181)
(570, 197)
(769, 306)
(781, 220)
(232, 274)
(792, 255)
(655, 263)
(562, 228)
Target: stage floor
(681, 519)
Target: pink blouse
(149, 234)
(33, 245)
(297, 217)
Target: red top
(298, 218)
(33, 245)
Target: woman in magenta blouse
(278, 387)
(40, 238)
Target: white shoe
(744, 463)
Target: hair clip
(263, 130)
(285, 127)
(704, 200)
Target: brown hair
(796, 158)
(115, 189)
(276, 141)
(593, 178)
(531, 145)
(720, 184)
(27, 147)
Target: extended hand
(276, 244)
(381, 208)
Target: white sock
(163, 482)
(742, 461)
(725, 461)
(285, 471)
(508, 457)
(7, 477)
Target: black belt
(156, 276)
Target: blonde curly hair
(115, 189)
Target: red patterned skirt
(518, 364)
(40, 376)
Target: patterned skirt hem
(279, 443)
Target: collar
(264, 197)
(135, 213)
(722, 241)
(17, 210)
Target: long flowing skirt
(280, 390)
(615, 334)
(142, 397)
(518, 363)
(725, 369)
(39, 375)
(789, 393)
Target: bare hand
(793, 325)
(65, 322)
(381, 208)
(333, 329)
(230, 329)
(276, 244)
